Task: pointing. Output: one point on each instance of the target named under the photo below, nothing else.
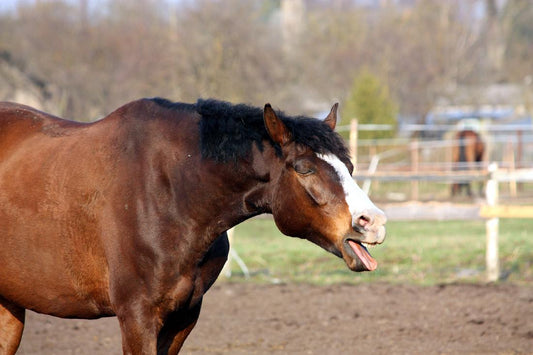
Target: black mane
(227, 131)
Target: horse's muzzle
(370, 226)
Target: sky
(6, 5)
(9, 5)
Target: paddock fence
(504, 177)
(412, 168)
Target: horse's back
(14, 115)
(19, 122)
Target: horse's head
(315, 197)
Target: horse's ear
(275, 127)
(331, 120)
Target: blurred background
(83, 58)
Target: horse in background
(466, 155)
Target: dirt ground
(339, 319)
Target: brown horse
(127, 216)
(466, 155)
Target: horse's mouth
(360, 259)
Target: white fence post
(415, 160)
(353, 142)
(226, 270)
(492, 227)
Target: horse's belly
(52, 273)
(55, 290)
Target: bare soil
(242, 318)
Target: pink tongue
(370, 263)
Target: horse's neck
(254, 182)
(229, 193)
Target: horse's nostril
(364, 220)
(370, 219)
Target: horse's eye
(303, 168)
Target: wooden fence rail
(492, 211)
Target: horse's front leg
(176, 329)
(141, 309)
(180, 323)
(139, 328)
(141, 312)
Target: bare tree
(98, 57)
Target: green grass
(414, 252)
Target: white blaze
(358, 202)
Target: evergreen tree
(370, 103)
